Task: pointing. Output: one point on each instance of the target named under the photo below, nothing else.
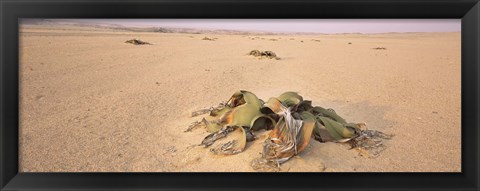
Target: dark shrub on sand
(261, 54)
(137, 42)
(206, 38)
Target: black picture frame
(11, 11)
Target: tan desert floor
(92, 103)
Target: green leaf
(336, 129)
(262, 122)
(273, 105)
(325, 112)
(290, 98)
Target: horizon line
(311, 26)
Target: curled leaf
(212, 126)
(289, 99)
(262, 122)
(303, 137)
(243, 115)
(245, 108)
(327, 113)
(321, 134)
(244, 97)
(289, 137)
(336, 129)
(222, 133)
(233, 143)
(273, 105)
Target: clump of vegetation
(206, 38)
(349, 42)
(137, 42)
(380, 48)
(266, 54)
(293, 122)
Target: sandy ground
(91, 103)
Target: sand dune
(91, 103)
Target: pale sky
(296, 25)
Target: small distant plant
(206, 38)
(261, 54)
(137, 42)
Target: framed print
(314, 95)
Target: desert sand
(91, 103)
